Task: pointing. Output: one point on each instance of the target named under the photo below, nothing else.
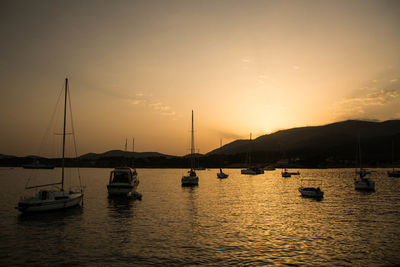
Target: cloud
(393, 80)
(137, 101)
(295, 67)
(360, 106)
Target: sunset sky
(138, 68)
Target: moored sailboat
(361, 182)
(394, 172)
(221, 174)
(54, 199)
(192, 179)
(251, 170)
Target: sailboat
(361, 182)
(221, 174)
(56, 199)
(191, 179)
(393, 173)
(123, 180)
(251, 170)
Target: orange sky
(138, 68)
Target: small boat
(251, 170)
(269, 169)
(295, 173)
(123, 180)
(311, 191)
(286, 174)
(361, 182)
(37, 165)
(192, 179)
(221, 174)
(393, 173)
(47, 200)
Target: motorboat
(123, 180)
(252, 171)
(308, 188)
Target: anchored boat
(54, 199)
(192, 179)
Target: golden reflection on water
(255, 220)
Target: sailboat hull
(35, 204)
(222, 175)
(364, 184)
(190, 181)
(394, 174)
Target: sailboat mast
(251, 148)
(192, 145)
(63, 145)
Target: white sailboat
(251, 170)
(192, 179)
(221, 174)
(361, 182)
(55, 199)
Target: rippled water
(242, 220)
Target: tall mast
(192, 145)
(126, 144)
(393, 154)
(133, 144)
(63, 145)
(251, 147)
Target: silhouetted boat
(361, 182)
(311, 191)
(286, 174)
(394, 172)
(269, 168)
(192, 179)
(37, 165)
(221, 174)
(251, 170)
(46, 200)
(123, 180)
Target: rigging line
(51, 121)
(73, 134)
(46, 133)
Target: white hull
(190, 180)
(364, 184)
(35, 205)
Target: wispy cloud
(393, 80)
(360, 106)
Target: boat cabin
(121, 175)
